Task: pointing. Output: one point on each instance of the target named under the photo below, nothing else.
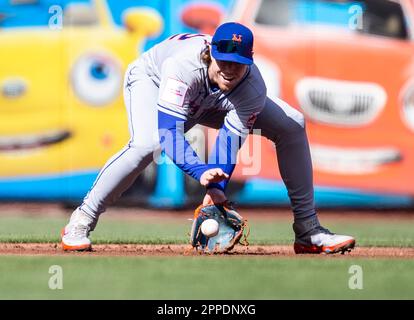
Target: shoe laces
(321, 229)
(79, 231)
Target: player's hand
(213, 176)
(214, 196)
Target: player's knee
(142, 151)
(289, 121)
(290, 128)
(296, 123)
(145, 145)
(292, 113)
(300, 119)
(297, 120)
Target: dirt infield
(139, 215)
(117, 250)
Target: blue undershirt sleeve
(177, 148)
(224, 154)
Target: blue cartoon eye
(99, 71)
(97, 79)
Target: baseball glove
(231, 229)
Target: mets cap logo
(237, 38)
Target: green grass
(46, 229)
(204, 277)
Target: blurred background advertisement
(347, 65)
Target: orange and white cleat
(75, 235)
(321, 240)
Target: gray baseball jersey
(172, 75)
(185, 92)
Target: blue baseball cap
(233, 42)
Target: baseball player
(192, 79)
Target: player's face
(226, 75)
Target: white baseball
(210, 228)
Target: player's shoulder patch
(174, 92)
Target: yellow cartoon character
(61, 106)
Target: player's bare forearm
(214, 196)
